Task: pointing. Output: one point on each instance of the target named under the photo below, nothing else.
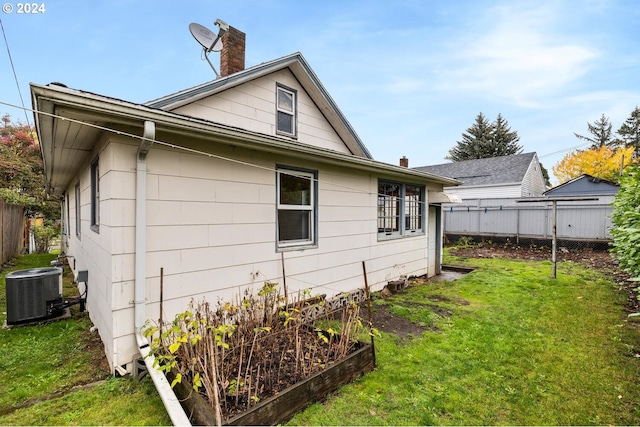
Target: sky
(410, 76)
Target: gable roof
(300, 69)
(584, 184)
(69, 122)
(489, 171)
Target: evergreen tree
(601, 134)
(475, 141)
(629, 132)
(505, 141)
(484, 139)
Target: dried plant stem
(237, 391)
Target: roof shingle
(488, 171)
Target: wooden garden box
(283, 406)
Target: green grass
(514, 348)
(519, 349)
(51, 358)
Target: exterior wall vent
(33, 294)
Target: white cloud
(517, 56)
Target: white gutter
(169, 399)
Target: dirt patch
(93, 346)
(385, 321)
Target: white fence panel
(506, 218)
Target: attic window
(286, 111)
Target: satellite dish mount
(209, 41)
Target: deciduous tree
(603, 162)
(21, 172)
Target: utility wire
(215, 156)
(15, 76)
(563, 150)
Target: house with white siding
(518, 175)
(256, 176)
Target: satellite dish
(209, 41)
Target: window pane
(285, 122)
(95, 194)
(285, 101)
(413, 208)
(294, 225)
(388, 208)
(77, 201)
(295, 190)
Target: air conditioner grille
(30, 292)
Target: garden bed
(262, 358)
(282, 406)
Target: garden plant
(237, 354)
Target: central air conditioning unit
(34, 294)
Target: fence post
(554, 243)
(2, 206)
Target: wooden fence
(12, 223)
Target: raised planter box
(280, 408)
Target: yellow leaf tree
(603, 163)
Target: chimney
(232, 54)
(404, 162)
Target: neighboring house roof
(489, 171)
(69, 122)
(300, 69)
(582, 185)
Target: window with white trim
(286, 107)
(400, 209)
(296, 206)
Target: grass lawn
(520, 348)
(39, 362)
(510, 347)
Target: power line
(564, 150)
(15, 76)
(211, 155)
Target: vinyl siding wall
(533, 184)
(211, 227)
(251, 106)
(487, 191)
(92, 250)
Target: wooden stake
(368, 296)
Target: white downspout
(169, 399)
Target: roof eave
(116, 111)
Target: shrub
(44, 234)
(626, 222)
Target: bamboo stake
(284, 284)
(160, 322)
